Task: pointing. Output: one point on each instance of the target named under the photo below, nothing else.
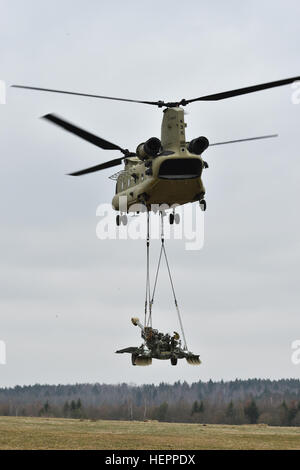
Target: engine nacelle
(197, 146)
(149, 149)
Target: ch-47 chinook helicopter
(161, 171)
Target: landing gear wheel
(124, 219)
(203, 205)
(118, 220)
(171, 219)
(174, 361)
(177, 218)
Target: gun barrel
(136, 322)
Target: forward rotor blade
(245, 140)
(102, 166)
(93, 139)
(83, 94)
(243, 91)
(183, 102)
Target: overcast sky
(66, 298)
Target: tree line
(251, 401)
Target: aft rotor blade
(243, 91)
(93, 139)
(245, 140)
(102, 166)
(50, 90)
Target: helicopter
(161, 172)
(166, 171)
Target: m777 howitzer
(157, 345)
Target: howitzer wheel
(193, 360)
(174, 360)
(143, 361)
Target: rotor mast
(173, 129)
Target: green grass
(53, 433)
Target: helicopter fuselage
(173, 177)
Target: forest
(272, 402)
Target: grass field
(52, 433)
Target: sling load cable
(154, 288)
(163, 251)
(147, 297)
